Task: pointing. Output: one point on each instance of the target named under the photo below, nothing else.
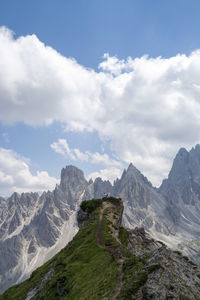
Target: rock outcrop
(182, 193)
(166, 274)
(143, 205)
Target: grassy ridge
(81, 270)
(84, 271)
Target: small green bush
(123, 236)
(183, 297)
(152, 268)
(91, 205)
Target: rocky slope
(156, 272)
(182, 193)
(170, 213)
(105, 261)
(144, 206)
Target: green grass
(182, 297)
(135, 276)
(90, 206)
(123, 236)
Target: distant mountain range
(34, 228)
(106, 261)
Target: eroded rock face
(100, 188)
(82, 218)
(72, 184)
(170, 213)
(182, 193)
(144, 206)
(141, 244)
(183, 183)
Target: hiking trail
(118, 255)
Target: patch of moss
(183, 297)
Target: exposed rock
(82, 218)
(31, 294)
(102, 187)
(166, 274)
(182, 193)
(144, 206)
(140, 243)
(72, 184)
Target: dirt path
(120, 279)
(99, 232)
(99, 239)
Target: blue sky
(71, 104)
(86, 30)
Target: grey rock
(182, 193)
(144, 206)
(101, 188)
(82, 218)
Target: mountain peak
(133, 170)
(129, 172)
(182, 151)
(71, 174)
(71, 170)
(183, 180)
(196, 150)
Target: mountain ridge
(105, 261)
(34, 227)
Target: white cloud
(115, 66)
(146, 107)
(62, 148)
(113, 166)
(15, 175)
(110, 174)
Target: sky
(96, 84)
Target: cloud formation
(146, 107)
(113, 168)
(15, 175)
